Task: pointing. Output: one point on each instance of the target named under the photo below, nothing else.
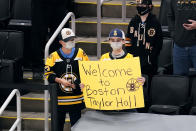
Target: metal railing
(52, 88)
(17, 123)
(124, 12)
(99, 4)
(46, 93)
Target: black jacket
(146, 41)
(179, 11)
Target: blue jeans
(183, 59)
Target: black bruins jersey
(66, 68)
(145, 41)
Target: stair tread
(24, 115)
(90, 39)
(33, 95)
(104, 20)
(157, 2)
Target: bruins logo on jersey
(151, 32)
(131, 30)
(70, 78)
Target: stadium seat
(163, 17)
(11, 58)
(169, 94)
(12, 44)
(11, 55)
(4, 12)
(193, 94)
(21, 21)
(163, 13)
(165, 31)
(21, 13)
(165, 58)
(192, 71)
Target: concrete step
(32, 102)
(31, 121)
(86, 26)
(110, 8)
(89, 45)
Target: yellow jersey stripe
(70, 103)
(69, 97)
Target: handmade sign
(112, 85)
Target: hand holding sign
(141, 80)
(81, 86)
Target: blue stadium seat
(169, 94)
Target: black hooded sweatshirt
(146, 41)
(179, 12)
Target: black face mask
(143, 10)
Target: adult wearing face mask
(144, 37)
(62, 68)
